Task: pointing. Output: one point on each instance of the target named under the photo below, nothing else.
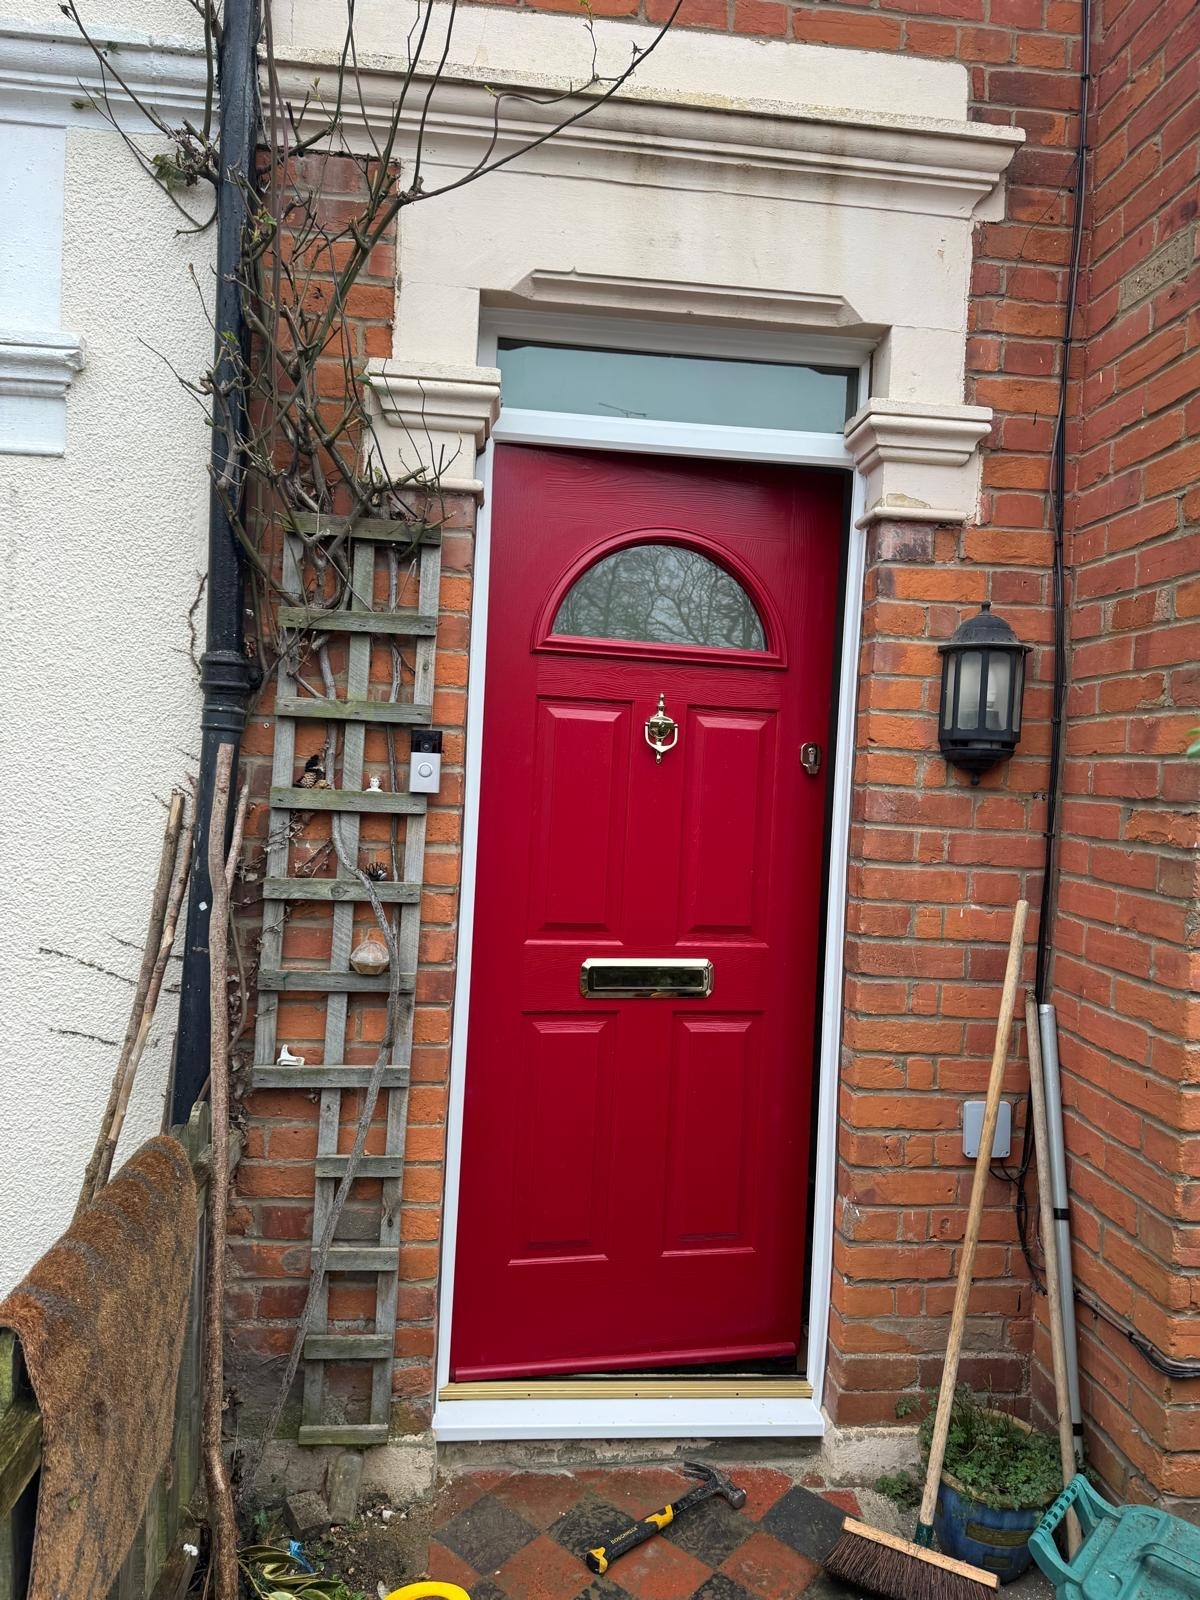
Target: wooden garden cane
(966, 1265)
(879, 1562)
(1037, 1101)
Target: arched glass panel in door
(661, 594)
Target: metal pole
(1048, 1030)
(1041, 1136)
(225, 674)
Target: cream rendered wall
(101, 551)
(495, 45)
(148, 19)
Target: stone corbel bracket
(438, 416)
(36, 370)
(921, 462)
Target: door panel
(634, 1171)
(578, 887)
(730, 769)
(713, 1118)
(562, 1084)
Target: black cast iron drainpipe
(226, 676)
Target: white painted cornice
(719, 305)
(891, 163)
(36, 369)
(920, 462)
(38, 364)
(896, 430)
(444, 415)
(53, 77)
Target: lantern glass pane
(1018, 691)
(999, 673)
(970, 668)
(949, 684)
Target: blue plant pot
(998, 1541)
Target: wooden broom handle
(966, 1264)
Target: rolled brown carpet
(101, 1319)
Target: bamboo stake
(966, 1260)
(144, 998)
(222, 1518)
(1058, 1351)
(171, 922)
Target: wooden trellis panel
(359, 623)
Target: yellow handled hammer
(711, 1483)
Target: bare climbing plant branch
(173, 864)
(221, 1512)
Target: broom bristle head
(900, 1570)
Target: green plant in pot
(998, 1477)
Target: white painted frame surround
(667, 1417)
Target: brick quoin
(936, 865)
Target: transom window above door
(660, 594)
(675, 388)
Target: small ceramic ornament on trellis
(370, 956)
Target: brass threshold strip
(642, 1388)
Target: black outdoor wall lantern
(983, 680)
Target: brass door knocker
(662, 731)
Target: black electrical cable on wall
(1058, 692)
(1058, 492)
(1169, 1366)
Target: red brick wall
(1127, 968)
(936, 865)
(928, 910)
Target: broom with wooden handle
(903, 1569)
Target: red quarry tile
(445, 1567)
(542, 1571)
(844, 1499)
(456, 1494)
(638, 1490)
(540, 1497)
(769, 1568)
(763, 1486)
(659, 1571)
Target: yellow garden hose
(429, 1591)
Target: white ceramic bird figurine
(287, 1059)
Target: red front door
(635, 1170)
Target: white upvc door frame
(672, 1417)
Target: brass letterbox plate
(645, 978)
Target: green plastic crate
(1128, 1552)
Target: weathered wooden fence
(157, 1566)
